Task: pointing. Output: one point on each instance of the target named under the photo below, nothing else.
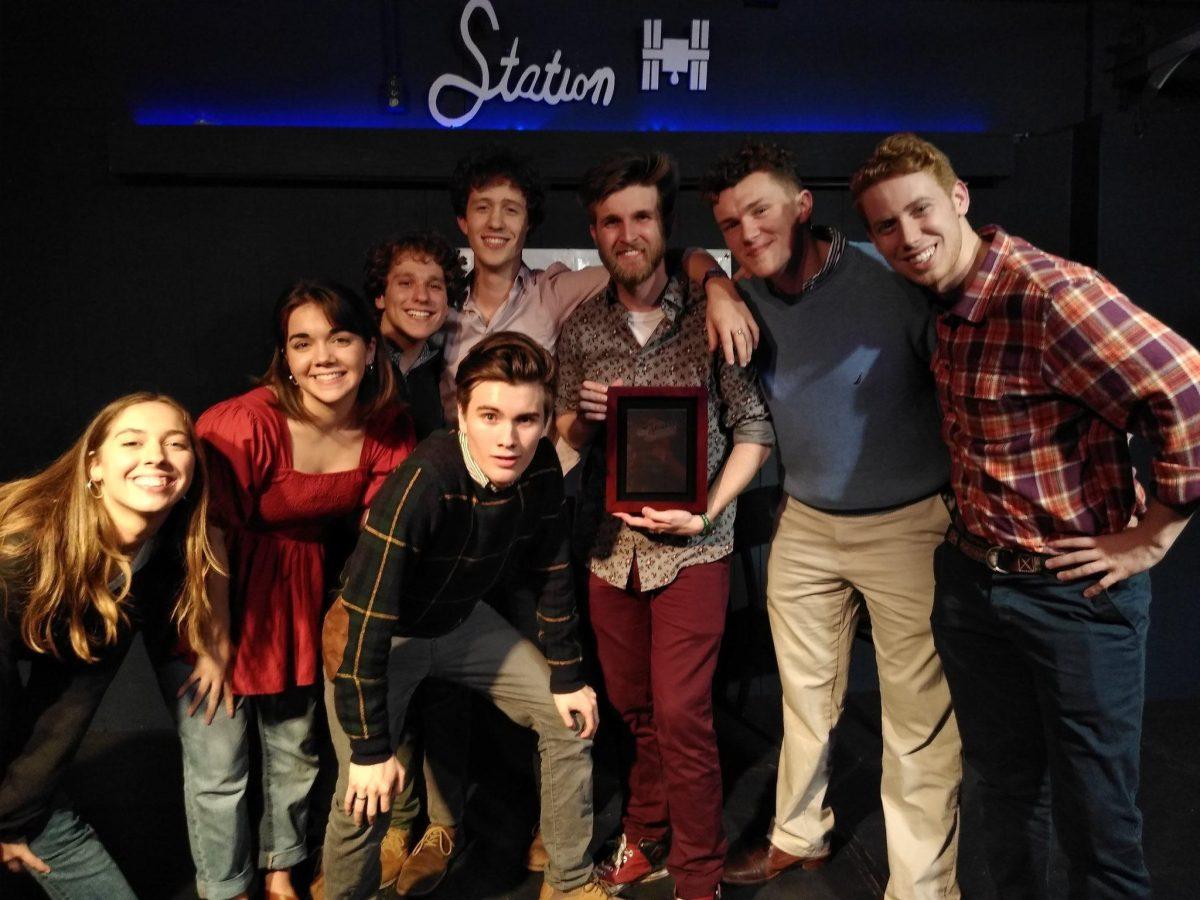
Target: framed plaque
(657, 449)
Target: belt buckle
(991, 558)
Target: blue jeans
(1049, 688)
(80, 867)
(216, 768)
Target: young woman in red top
(293, 461)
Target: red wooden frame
(694, 451)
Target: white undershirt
(642, 324)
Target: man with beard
(659, 581)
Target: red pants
(658, 650)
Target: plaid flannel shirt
(1043, 368)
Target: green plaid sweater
(434, 544)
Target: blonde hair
(899, 154)
(59, 548)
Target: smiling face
(496, 224)
(327, 363)
(503, 423)
(758, 218)
(921, 229)
(143, 467)
(414, 301)
(628, 231)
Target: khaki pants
(817, 561)
(485, 654)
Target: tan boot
(593, 890)
(427, 865)
(393, 851)
(538, 857)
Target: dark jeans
(1049, 688)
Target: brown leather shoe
(393, 852)
(593, 890)
(427, 865)
(538, 856)
(754, 865)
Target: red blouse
(277, 521)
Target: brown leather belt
(1002, 560)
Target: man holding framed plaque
(659, 579)
(844, 359)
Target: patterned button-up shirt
(598, 345)
(1042, 368)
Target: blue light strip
(371, 117)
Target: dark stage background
(141, 250)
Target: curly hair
(750, 157)
(488, 165)
(425, 245)
(898, 154)
(652, 168)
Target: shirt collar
(473, 469)
(837, 246)
(428, 351)
(975, 296)
(524, 274)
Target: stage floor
(127, 784)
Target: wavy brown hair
(59, 549)
(511, 357)
(343, 309)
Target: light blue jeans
(80, 867)
(216, 768)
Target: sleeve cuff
(369, 751)
(565, 679)
(755, 431)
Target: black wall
(145, 258)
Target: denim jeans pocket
(1125, 603)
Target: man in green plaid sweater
(469, 511)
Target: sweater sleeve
(398, 527)
(44, 724)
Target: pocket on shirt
(998, 404)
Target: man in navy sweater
(844, 363)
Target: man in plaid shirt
(1043, 369)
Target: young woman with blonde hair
(110, 539)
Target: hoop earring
(291, 378)
(371, 366)
(94, 490)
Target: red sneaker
(633, 864)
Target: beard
(631, 276)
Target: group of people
(951, 412)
